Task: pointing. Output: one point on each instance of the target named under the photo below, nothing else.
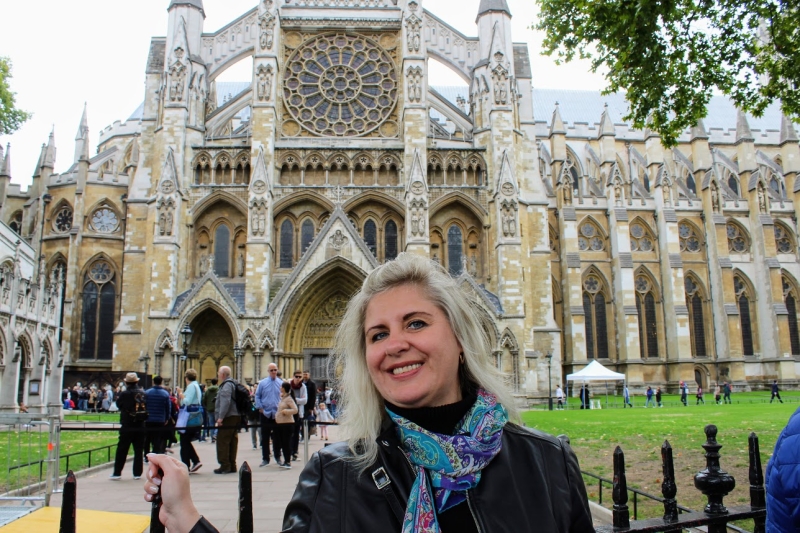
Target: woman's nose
(396, 343)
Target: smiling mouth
(405, 369)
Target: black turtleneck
(443, 420)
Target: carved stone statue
(169, 222)
(264, 85)
(763, 203)
(716, 204)
(240, 265)
(162, 223)
(414, 223)
(473, 266)
(414, 84)
(177, 79)
(203, 264)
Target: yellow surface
(47, 520)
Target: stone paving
(214, 495)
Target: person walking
(699, 396)
(658, 397)
(300, 394)
(191, 402)
(209, 402)
(776, 393)
(159, 410)
(268, 396)
(311, 389)
(228, 422)
(684, 393)
(717, 394)
(726, 392)
(584, 396)
(559, 397)
(649, 395)
(626, 398)
(324, 415)
(132, 410)
(285, 422)
(253, 419)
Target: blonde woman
(430, 443)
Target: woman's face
(412, 352)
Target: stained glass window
(287, 245)
(371, 236)
(697, 326)
(737, 240)
(306, 235)
(783, 240)
(455, 250)
(745, 320)
(390, 241)
(222, 251)
(648, 322)
(594, 307)
(689, 240)
(98, 313)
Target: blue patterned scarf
(449, 464)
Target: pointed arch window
(16, 222)
(691, 185)
(371, 236)
(738, 241)
(776, 187)
(697, 323)
(222, 251)
(390, 241)
(689, 240)
(744, 301)
(790, 299)
(641, 238)
(287, 245)
(648, 321)
(783, 240)
(98, 312)
(733, 183)
(306, 235)
(455, 250)
(594, 307)
(590, 240)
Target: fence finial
(712, 481)
(621, 514)
(69, 505)
(668, 487)
(245, 499)
(758, 496)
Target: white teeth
(404, 369)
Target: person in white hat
(132, 404)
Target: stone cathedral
(249, 213)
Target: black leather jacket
(533, 484)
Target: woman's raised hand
(178, 512)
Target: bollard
(758, 496)
(712, 481)
(69, 505)
(245, 499)
(668, 487)
(619, 494)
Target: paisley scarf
(449, 464)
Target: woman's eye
(416, 324)
(378, 336)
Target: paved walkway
(216, 496)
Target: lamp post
(186, 333)
(146, 360)
(549, 357)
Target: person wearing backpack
(209, 403)
(228, 421)
(132, 404)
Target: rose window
(104, 220)
(688, 238)
(101, 272)
(736, 240)
(63, 222)
(640, 239)
(340, 85)
(783, 241)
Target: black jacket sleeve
(581, 515)
(300, 511)
(203, 526)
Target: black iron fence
(712, 481)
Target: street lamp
(549, 358)
(146, 360)
(186, 333)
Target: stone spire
(699, 131)
(5, 167)
(198, 4)
(38, 170)
(82, 138)
(606, 124)
(493, 6)
(743, 132)
(788, 133)
(557, 124)
(50, 153)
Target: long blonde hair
(361, 406)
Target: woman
(191, 396)
(284, 420)
(416, 374)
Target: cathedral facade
(234, 228)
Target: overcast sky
(94, 51)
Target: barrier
(31, 449)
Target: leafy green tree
(11, 118)
(671, 55)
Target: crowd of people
(89, 399)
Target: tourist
(191, 402)
(717, 394)
(783, 480)
(300, 394)
(285, 422)
(684, 393)
(649, 397)
(658, 397)
(415, 365)
(776, 393)
(559, 397)
(626, 397)
(699, 396)
(131, 431)
(268, 396)
(227, 422)
(324, 415)
(108, 399)
(311, 388)
(209, 401)
(726, 392)
(159, 411)
(253, 419)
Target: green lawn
(594, 434)
(27, 446)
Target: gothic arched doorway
(313, 315)
(211, 346)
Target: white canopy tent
(595, 371)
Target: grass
(594, 434)
(21, 446)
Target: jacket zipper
(472, 512)
(410, 466)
